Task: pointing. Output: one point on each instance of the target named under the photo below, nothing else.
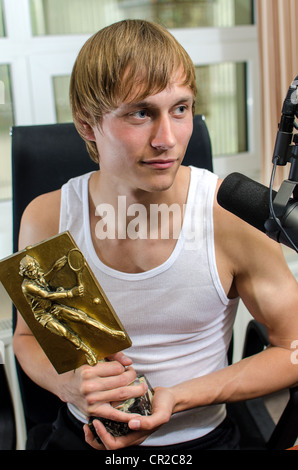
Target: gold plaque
(63, 304)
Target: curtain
(278, 43)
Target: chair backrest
(44, 157)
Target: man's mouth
(160, 164)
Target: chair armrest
(256, 338)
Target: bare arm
(87, 388)
(270, 292)
(253, 266)
(36, 225)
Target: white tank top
(177, 315)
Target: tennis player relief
(63, 304)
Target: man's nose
(163, 136)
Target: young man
(132, 95)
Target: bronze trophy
(55, 291)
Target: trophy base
(140, 405)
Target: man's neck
(104, 190)
(143, 233)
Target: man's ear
(87, 131)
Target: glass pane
(222, 100)
(6, 121)
(77, 17)
(61, 89)
(190, 13)
(71, 16)
(2, 25)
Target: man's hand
(92, 389)
(141, 426)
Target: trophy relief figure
(45, 301)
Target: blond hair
(124, 62)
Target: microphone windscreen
(245, 198)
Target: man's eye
(140, 114)
(180, 109)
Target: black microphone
(250, 201)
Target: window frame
(35, 60)
(208, 46)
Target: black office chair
(257, 428)
(43, 158)
(7, 419)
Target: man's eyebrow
(136, 105)
(147, 104)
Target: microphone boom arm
(284, 204)
(282, 150)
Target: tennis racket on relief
(76, 263)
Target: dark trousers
(66, 433)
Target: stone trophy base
(140, 405)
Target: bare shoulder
(249, 255)
(243, 244)
(259, 274)
(40, 219)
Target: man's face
(142, 144)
